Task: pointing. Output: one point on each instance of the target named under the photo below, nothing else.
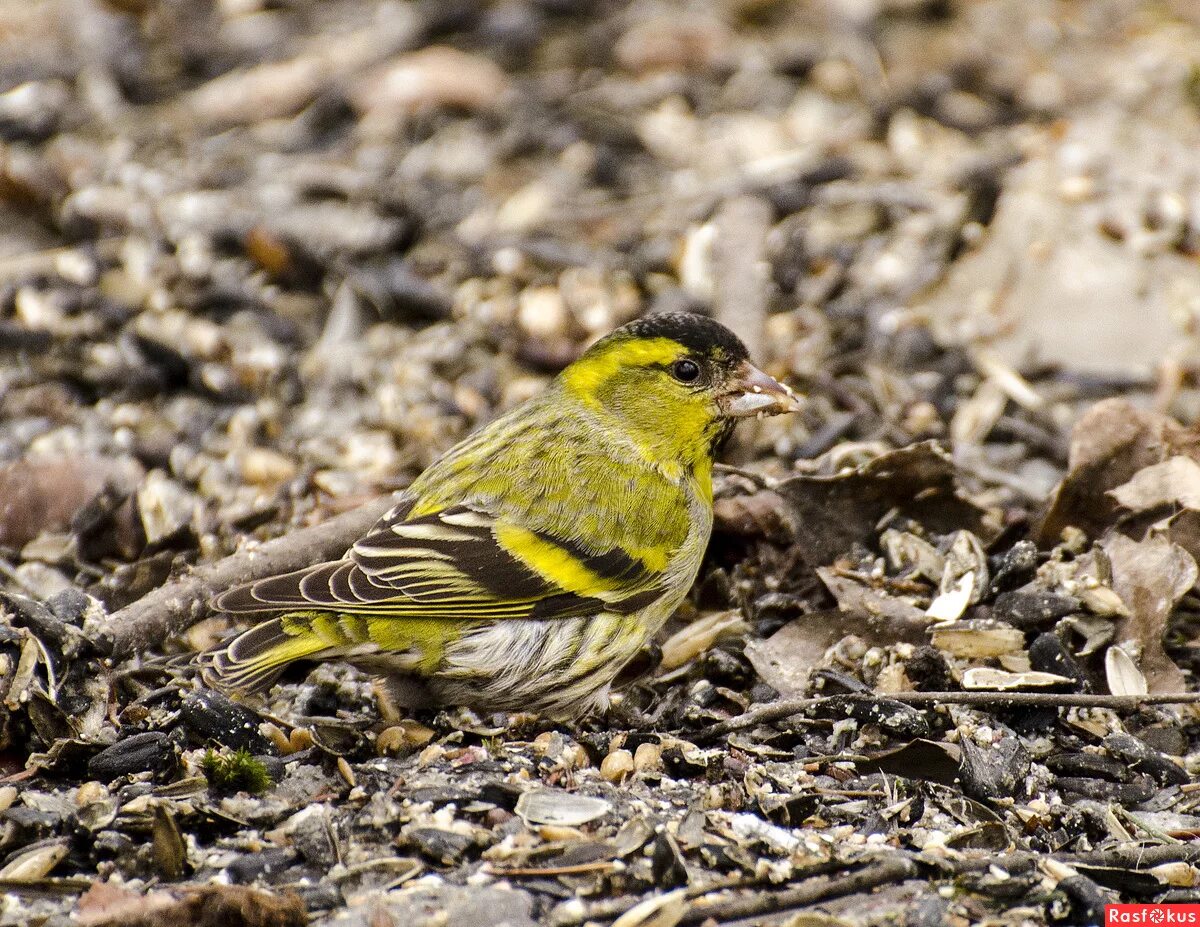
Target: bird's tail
(254, 659)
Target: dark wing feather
(449, 565)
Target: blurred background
(262, 261)
(260, 258)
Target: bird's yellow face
(676, 384)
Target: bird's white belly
(564, 667)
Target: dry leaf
(827, 514)
(831, 513)
(1175, 481)
(759, 514)
(1150, 576)
(105, 905)
(786, 658)
(1178, 874)
(1110, 444)
(857, 597)
(44, 495)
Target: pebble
(262, 466)
(277, 737)
(435, 77)
(89, 792)
(617, 766)
(682, 42)
(647, 758)
(403, 738)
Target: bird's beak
(754, 393)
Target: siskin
(528, 565)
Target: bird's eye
(685, 371)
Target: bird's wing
(462, 563)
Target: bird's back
(589, 483)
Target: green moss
(235, 772)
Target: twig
(761, 480)
(1134, 856)
(822, 881)
(1153, 831)
(610, 909)
(178, 605)
(47, 887)
(33, 263)
(280, 88)
(776, 711)
(811, 891)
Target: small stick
(776, 711)
(811, 891)
(178, 605)
(612, 908)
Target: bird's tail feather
(254, 659)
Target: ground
(261, 261)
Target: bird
(530, 563)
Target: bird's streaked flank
(529, 564)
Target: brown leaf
(831, 513)
(1150, 576)
(927, 760)
(760, 514)
(1175, 481)
(105, 903)
(44, 495)
(874, 609)
(786, 658)
(1183, 528)
(827, 515)
(1110, 444)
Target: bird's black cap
(698, 333)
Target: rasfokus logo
(1154, 915)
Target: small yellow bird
(528, 565)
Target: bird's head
(677, 383)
